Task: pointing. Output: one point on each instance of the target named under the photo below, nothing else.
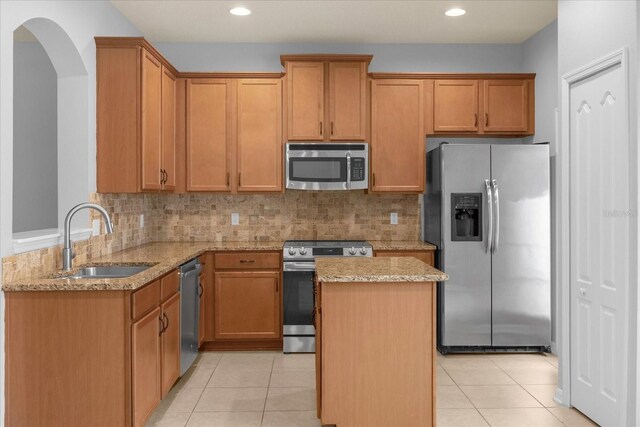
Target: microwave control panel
(357, 169)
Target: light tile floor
(253, 389)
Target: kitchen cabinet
(500, 106)
(397, 136)
(135, 118)
(146, 365)
(210, 134)
(326, 97)
(259, 145)
(455, 106)
(234, 135)
(426, 256)
(506, 105)
(170, 338)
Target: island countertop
(376, 269)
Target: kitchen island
(375, 341)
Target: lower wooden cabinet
(170, 338)
(247, 305)
(146, 365)
(426, 256)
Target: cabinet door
(146, 366)
(259, 149)
(247, 305)
(305, 107)
(168, 129)
(347, 100)
(170, 343)
(506, 105)
(209, 139)
(397, 136)
(455, 106)
(151, 121)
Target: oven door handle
(299, 266)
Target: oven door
(326, 166)
(298, 303)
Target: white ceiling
(331, 21)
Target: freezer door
(465, 299)
(521, 252)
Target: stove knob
(292, 251)
(303, 251)
(363, 251)
(352, 251)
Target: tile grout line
(264, 407)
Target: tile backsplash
(207, 217)
(292, 215)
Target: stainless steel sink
(106, 272)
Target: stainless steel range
(299, 267)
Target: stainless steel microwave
(327, 166)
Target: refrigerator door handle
(490, 216)
(496, 231)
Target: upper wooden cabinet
(326, 97)
(507, 105)
(500, 106)
(397, 136)
(455, 107)
(209, 134)
(234, 135)
(135, 118)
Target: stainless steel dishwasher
(190, 292)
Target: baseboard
(559, 397)
(242, 345)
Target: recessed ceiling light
(240, 11)
(455, 12)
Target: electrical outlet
(141, 220)
(393, 218)
(235, 218)
(95, 225)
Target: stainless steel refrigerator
(487, 208)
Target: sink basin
(106, 272)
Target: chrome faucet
(67, 252)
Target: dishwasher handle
(195, 270)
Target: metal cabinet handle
(166, 176)
(247, 261)
(490, 216)
(228, 179)
(161, 326)
(373, 178)
(239, 176)
(200, 290)
(167, 325)
(331, 128)
(475, 121)
(486, 119)
(496, 202)
(321, 129)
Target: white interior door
(599, 248)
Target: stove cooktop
(326, 243)
(295, 250)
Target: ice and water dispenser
(466, 221)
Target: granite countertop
(382, 269)
(163, 257)
(401, 245)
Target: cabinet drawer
(169, 284)
(247, 260)
(145, 299)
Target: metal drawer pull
(161, 326)
(200, 290)
(167, 325)
(247, 261)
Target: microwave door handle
(348, 171)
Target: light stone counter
(401, 245)
(376, 269)
(163, 257)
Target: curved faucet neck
(67, 254)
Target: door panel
(600, 229)
(465, 300)
(521, 297)
(397, 136)
(347, 103)
(247, 305)
(145, 364)
(209, 128)
(455, 104)
(260, 135)
(171, 343)
(169, 129)
(506, 105)
(151, 121)
(305, 107)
